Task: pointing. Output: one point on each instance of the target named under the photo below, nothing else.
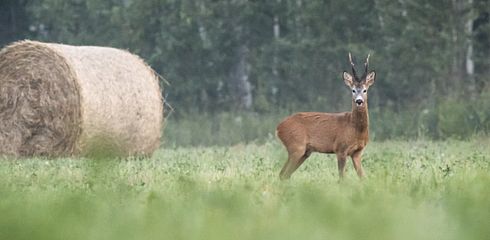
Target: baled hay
(61, 100)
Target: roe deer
(345, 134)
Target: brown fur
(345, 134)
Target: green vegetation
(449, 120)
(262, 56)
(235, 69)
(414, 190)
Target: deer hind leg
(341, 159)
(356, 160)
(295, 159)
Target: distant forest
(431, 57)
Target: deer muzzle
(359, 101)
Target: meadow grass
(414, 190)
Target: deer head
(359, 85)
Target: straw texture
(61, 100)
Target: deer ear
(370, 78)
(348, 79)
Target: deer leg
(356, 160)
(295, 160)
(341, 158)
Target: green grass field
(414, 190)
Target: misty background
(235, 68)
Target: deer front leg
(341, 158)
(356, 160)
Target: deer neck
(360, 118)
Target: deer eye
(364, 91)
(353, 91)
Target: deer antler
(350, 59)
(366, 64)
(352, 64)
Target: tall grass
(449, 120)
(222, 129)
(414, 190)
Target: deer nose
(359, 101)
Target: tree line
(265, 56)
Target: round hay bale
(61, 100)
